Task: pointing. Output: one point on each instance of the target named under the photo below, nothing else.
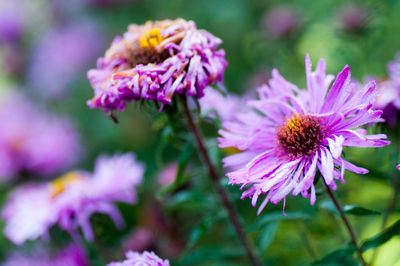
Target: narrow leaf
(382, 237)
(358, 210)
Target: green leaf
(358, 210)
(202, 228)
(180, 178)
(183, 160)
(190, 200)
(267, 235)
(341, 256)
(277, 216)
(349, 209)
(382, 237)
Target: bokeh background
(46, 48)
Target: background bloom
(281, 21)
(215, 105)
(291, 134)
(61, 55)
(155, 61)
(72, 255)
(29, 137)
(388, 98)
(70, 200)
(145, 258)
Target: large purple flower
(292, 133)
(156, 61)
(137, 259)
(33, 141)
(72, 255)
(61, 55)
(70, 200)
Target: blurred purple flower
(388, 98)
(353, 17)
(72, 255)
(281, 21)
(11, 21)
(33, 141)
(139, 240)
(292, 133)
(156, 61)
(70, 200)
(61, 55)
(167, 175)
(137, 259)
(215, 105)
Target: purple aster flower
(353, 17)
(291, 134)
(70, 200)
(156, 61)
(137, 259)
(28, 138)
(214, 105)
(50, 73)
(72, 255)
(281, 21)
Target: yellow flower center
(59, 185)
(151, 39)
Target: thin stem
(346, 223)
(230, 208)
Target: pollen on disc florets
(299, 136)
(145, 44)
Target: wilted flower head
(137, 259)
(156, 61)
(281, 21)
(61, 55)
(215, 105)
(33, 141)
(72, 255)
(292, 133)
(70, 200)
(353, 17)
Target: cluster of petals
(28, 137)
(70, 255)
(70, 200)
(138, 259)
(290, 134)
(156, 61)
